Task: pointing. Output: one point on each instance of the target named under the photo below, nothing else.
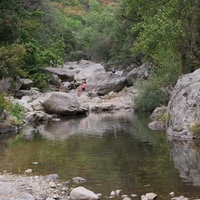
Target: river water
(111, 151)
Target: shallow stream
(111, 151)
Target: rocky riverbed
(25, 187)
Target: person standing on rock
(79, 90)
(84, 86)
(59, 82)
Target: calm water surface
(111, 150)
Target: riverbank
(24, 187)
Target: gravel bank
(24, 187)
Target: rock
(35, 163)
(26, 83)
(78, 180)
(184, 105)
(81, 193)
(126, 198)
(6, 128)
(32, 92)
(118, 192)
(25, 196)
(103, 83)
(141, 72)
(63, 74)
(52, 185)
(171, 194)
(159, 113)
(112, 193)
(62, 103)
(51, 177)
(28, 171)
(151, 196)
(99, 195)
(88, 69)
(143, 197)
(7, 189)
(179, 198)
(157, 125)
(134, 195)
(65, 189)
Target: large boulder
(89, 71)
(63, 74)
(103, 83)
(184, 106)
(61, 103)
(141, 72)
(81, 193)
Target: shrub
(195, 128)
(18, 111)
(15, 112)
(150, 97)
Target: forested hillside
(39, 33)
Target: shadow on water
(111, 150)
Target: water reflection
(93, 125)
(111, 150)
(186, 157)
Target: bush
(195, 128)
(150, 97)
(15, 113)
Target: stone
(81, 193)
(159, 113)
(151, 196)
(141, 72)
(51, 177)
(78, 179)
(25, 196)
(112, 193)
(179, 198)
(157, 125)
(62, 103)
(28, 171)
(63, 74)
(184, 105)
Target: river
(111, 151)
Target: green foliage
(10, 20)
(3, 102)
(195, 128)
(18, 111)
(150, 96)
(38, 57)
(96, 37)
(11, 60)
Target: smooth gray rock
(184, 105)
(81, 193)
(62, 103)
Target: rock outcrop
(141, 72)
(184, 106)
(103, 83)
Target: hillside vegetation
(39, 33)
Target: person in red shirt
(83, 86)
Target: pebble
(112, 193)
(28, 171)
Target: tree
(10, 20)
